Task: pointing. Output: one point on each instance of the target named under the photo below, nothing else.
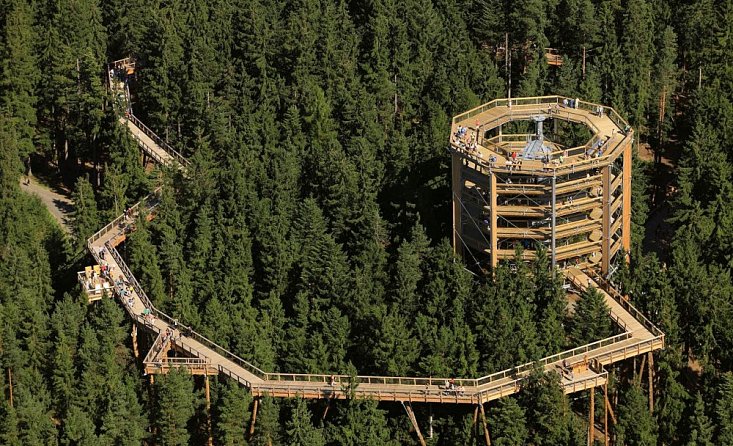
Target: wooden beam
(135, 349)
(626, 215)
(457, 187)
(325, 411)
(413, 419)
(640, 376)
(494, 216)
(592, 417)
(610, 408)
(606, 198)
(210, 441)
(487, 438)
(254, 418)
(605, 415)
(650, 373)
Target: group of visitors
(450, 387)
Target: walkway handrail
(164, 145)
(626, 304)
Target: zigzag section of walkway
(206, 357)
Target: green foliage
(175, 404)
(509, 423)
(591, 321)
(635, 424)
(86, 219)
(299, 428)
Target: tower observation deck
(524, 189)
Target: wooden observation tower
(534, 190)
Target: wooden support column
(494, 218)
(474, 425)
(457, 191)
(650, 373)
(553, 223)
(325, 411)
(210, 441)
(487, 438)
(626, 216)
(605, 414)
(610, 408)
(413, 419)
(606, 207)
(592, 417)
(254, 418)
(640, 375)
(135, 349)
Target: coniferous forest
(311, 233)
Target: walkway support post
(413, 420)
(605, 415)
(487, 438)
(592, 417)
(135, 349)
(254, 418)
(554, 213)
(210, 441)
(650, 373)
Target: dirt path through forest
(58, 202)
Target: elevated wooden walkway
(207, 358)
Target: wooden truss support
(610, 408)
(640, 375)
(475, 419)
(592, 417)
(210, 440)
(487, 438)
(254, 418)
(413, 419)
(328, 406)
(605, 414)
(650, 373)
(135, 349)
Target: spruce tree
(701, 428)
(86, 219)
(724, 410)
(299, 428)
(591, 320)
(635, 426)
(174, 406)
